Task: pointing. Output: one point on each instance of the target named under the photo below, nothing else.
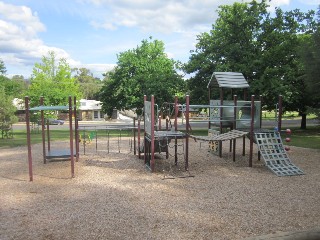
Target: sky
(91, 33)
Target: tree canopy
(52, 79)
(310, 52)
(246, 38)
(7, 109)
(145, 70)
(3, 69)
(89, 85)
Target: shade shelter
(48, 153)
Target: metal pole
(175, 129)
(187, 134)
(28, 139)
(261, 99)
(280, 114)
(76, 128)
(152, 162)
(134, 137)
(251, 131)
(221, 119)
(144, 128)
(139, 129)
(48, 136)
(43, 133)
(71, 137)
(235, 98)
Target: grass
(270, 115)
(309, 138)
(20, 137)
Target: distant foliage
(264, 47)
(7, 93)
(89, 85)
(145, 70)
(52, 79)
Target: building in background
(90, 110)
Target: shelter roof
(228, 80)
(52, 108)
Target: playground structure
(48, 153)
(158, 139)
(228, 121)
(100, 137)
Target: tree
(89, 86)
(145, 70)
(15, 87)
(53, 81)
(7, 110)
(310, 53)
(246, 38)
(3, 69)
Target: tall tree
(89, 85)
(246, 38)
(7, 109)
(145, 70)
(310, 52)
(3, 69)
(52, 79)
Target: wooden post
(144, 127)
(221, 119)
(28, 138)
(134, 136)
(139, 129)
(251, 131)
(280, 114)
(152, 162)
(235, 99)
(187, 134)
(71, 137)
(48, 136)
(43, 133)
(76, 127)
(175, 129)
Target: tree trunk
(303, 121)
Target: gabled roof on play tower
(228, 80)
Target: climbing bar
(233, 134)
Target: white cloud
(278, 3)
(310, 2)
(157, 16)
(20, 45)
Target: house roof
(89, 105)
(228, 80)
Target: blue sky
(90, 33)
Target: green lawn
(270, 115)
(20, 137)
(309, 138)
